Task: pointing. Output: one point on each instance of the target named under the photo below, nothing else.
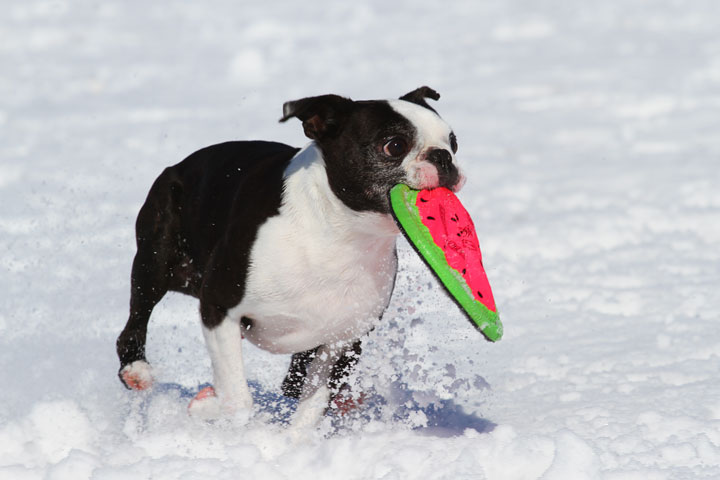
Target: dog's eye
(453, 143)
(396, 147)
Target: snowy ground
(589, 131)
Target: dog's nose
(441, 158)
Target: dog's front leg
(231, 393)
(316, 393)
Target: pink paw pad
(203, 394)
(137, 375)
(343, 403)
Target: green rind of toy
(402, 201)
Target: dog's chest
(319, 272)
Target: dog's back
(194, 203)
(191, 208)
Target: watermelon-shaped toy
(442, 232)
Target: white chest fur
(319, 272)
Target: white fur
(433, 132)
(208, 408)
(224, 344)
(320, 273)
(140, 370)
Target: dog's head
(371, 146)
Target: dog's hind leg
(145, 294)
(156, 229)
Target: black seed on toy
(464, 271)
(431, 218)
(423, 200)
(480, 294)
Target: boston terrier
(292, 249)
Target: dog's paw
(344, 403)
(137, 375)
(205, 405)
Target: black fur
(447, 172)
(321, 116)
(359, 173)
(363, 184)
(295, 379)
(344, 366)
(419, 95)
(195, 230)
(297, 373)
(201, 216)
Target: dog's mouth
(457, 184)
(427, 176)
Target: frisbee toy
(442, 233)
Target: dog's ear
(321, 116)
(419, 95)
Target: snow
(589, 136)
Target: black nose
(441, 158)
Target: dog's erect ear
(321, 116)
(419, 95)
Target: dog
(292, 249)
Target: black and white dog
(293, 249)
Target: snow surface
(589, 132)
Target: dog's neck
(309, 198)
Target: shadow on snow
(441, 418)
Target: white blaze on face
(432, 132)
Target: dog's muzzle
(448, 174)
